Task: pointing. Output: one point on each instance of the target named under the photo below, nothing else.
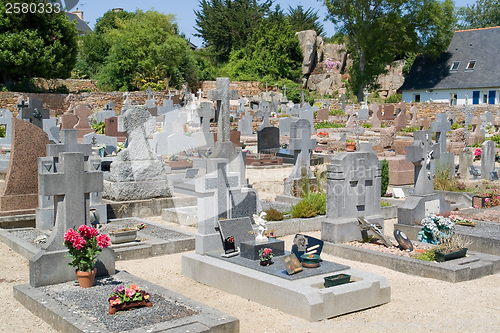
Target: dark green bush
(273, 215)
(385, 177)
(326, 124)
(99, 127)
(319, 202)
(336, 112)
(396, 98)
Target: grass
(326, 124)
(384, 203)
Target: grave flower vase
(86, 279)
(350, 146)
(266, 262)
(129, 305)
(123, 236)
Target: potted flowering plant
(126, 297)
(350, 145)
(435, 229)
(84, 245)
(266, 255)
(477, 153)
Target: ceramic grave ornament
(260, 220)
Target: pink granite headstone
(111, 129)
(83, 112)
(68, 121)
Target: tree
(305, 20)
(380, 31)
(226, 25)
(482, 14)
(35, 44)
(133, 50)
(273, 52)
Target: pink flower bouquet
(84, 245)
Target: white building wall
(443, 96)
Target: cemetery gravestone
(423, 201)
(322, 115)
(111, 129)
(353, 190)
(487, 159)
(284, 125)
(414, 115)
(300, 143)
(245, 125)
(400, 121)
(424, 123)
(68, 121)
(442, 126)
(477, 135)
(6, 122)
(83, 112)
(268, 140)
(71, 186)
(50, 127)
(20, 192)
(106, 113)
(35, 113)
(388, 112)
(136, 173)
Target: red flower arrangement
(84, 245)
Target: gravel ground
(150, 230)
(93, 304)
(29, 235)
(392, 250)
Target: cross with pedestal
(421, 153)
(206, 111)
(137, 124)
(468, 113)
(71, 187)
(110, 106)
(358, 130)
(366, 97)
(69, 143)
(222, 96)
(150, 92)
(35, 113)
(284, 92)
(241, 104)
(199, 92)
(170, 95)
(22, 105)
(360, 177)
(441, 126)
(300, 143)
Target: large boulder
(307, 40)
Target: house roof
(81, 25)
(481, 45)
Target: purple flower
(119, 289)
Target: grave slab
(302, 297)
(51, 305)
(250, 250)
(475, 265)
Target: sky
(184, 11)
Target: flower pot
(129, 305)
(118, 237)
(335, 280)
(86, 279)
(441, 257)
(310, 262)
(266, 262)
(350, 146)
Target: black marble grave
(268, 140)
(250, 250)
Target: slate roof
(482, 45)
(80, 24)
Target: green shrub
(384, 203)
(326, 124)
(305, 208)
(496, 139)
(99, 127)
(428, 255)
(410, 129)
(336, 112)
(455, 126)
(396, 98)
(366, 125)
(273, 215)
(385, 177)
(319, 202)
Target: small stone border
(473, 266)
(65, 319)
(151, 247)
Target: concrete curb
(64, 319)
(474, 266)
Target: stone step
(187, 216)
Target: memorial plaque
(291, 263)
(432, 207)
(303, 244)
(240, 229)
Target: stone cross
(199, 92)
(360, 176)
(126, 95)
(266, 86)
(284, 90)
(366, 97)
(150, 92)
(241, 104)
(468, 113)
(71, 187)
(69, 144)
(22, 105)
(272, 106)
(35, 113)
(110, 106)
(441, 126)
(222, 95)
(206, 111)
(170, 95)
(414, 115)
(266, 113)
(358, 131)
(422, 153)
(302, 96)
(300, 144)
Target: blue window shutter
(491, 96)
(475, 97)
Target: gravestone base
(250, 250)
(302, 297)
(416, 208)
(208, 243)
(345, 229)
(136, 190)
(224, 150)
(44, 271)
(65, 317)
